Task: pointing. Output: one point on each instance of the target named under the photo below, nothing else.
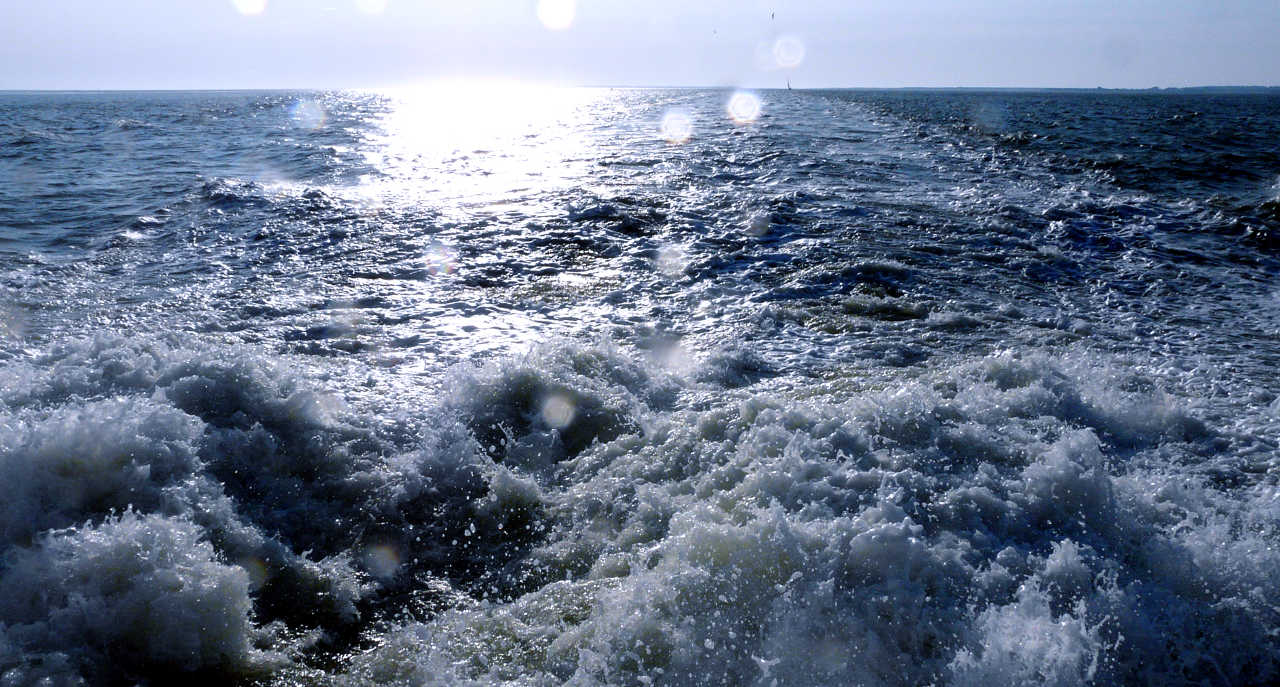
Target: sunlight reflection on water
(480, 143)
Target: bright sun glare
(557, 15)
(250, 6)
(255, 7)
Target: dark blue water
(639, 387)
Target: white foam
(144, 592)
(85, 459)
(969, 527)
(1019, 516)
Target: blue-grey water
(639, 387)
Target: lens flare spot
(250, 7)
(257, 571)
(557, 15)
(671, 260)
(13, 326)
(307, 114)
(677, 127)
(440, 259)
(382, 560)
(788, 52)
(558, 411)
(678, 359)
(744, 107)
(325, 408)
(372, 6)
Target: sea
(508, 385)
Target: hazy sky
(101, 44)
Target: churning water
(639, 387)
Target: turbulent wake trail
(875, 388)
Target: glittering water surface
(508, 385)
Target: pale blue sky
(102, 44)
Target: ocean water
(507, 386)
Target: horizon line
(1222, 87)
